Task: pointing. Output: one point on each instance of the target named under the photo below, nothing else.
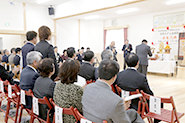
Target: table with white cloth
(164, 67)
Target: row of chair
(13, 95)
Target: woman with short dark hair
(44, 86)
(45, 48)
(66, 93)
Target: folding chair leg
(7, 112)
(20, 115)
(32, 119)
(150, 120)
(17, 111)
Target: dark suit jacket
(27, 81)
(28, 47)
(142, 52)
(47, 51)
(16, 60)
(5, 58)
(4, 75)
(80, 58)
(126, 51)
(130, 80)
(87, 71)
(43, 87)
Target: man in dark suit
(87, 70)
(17, 57)
(5, 56)
(143, 50)
(29, 74)
(31, 37)
(127, 48)
(130, 79)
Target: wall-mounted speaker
(51, 10)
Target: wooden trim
(115, 27)
(79, 33)
(97, 10)
(24, 15)
(12, 32)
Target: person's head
(18, 50)
(13, 51)
(46, 67)
(126, 41)
(33, 58)
(55, 49)
(107, 55)
(71, 52)
(82, 49)
(65, 52)
(144, 41)
(68, 71)
(112, 44)
(88, 49)
(132, 60)
(89, 56)
(108, 70)
(44, 33)
(6, 52)
(31, 36)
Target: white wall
(12, 19)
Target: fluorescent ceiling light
(171, 2)
(92, 17)
(124, 11)
(42, 1)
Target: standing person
(5, 56)
(45, 48)
(11, 56)
(17, 57)
(127, 48)
(112, 47)
(142, 51)
(31, 37)
(57, 55)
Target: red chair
(79, 116)
(15, 99)
(29, 111)
(43, 101)
(89, 82)
(170, 116)
(3, 94)
(68, 111)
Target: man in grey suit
(100, 103)
(142, 51)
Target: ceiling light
(171, 2)
(92, 17)
(124, 11)
(42, 1)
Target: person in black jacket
(45, 48)
(127, 48)
(31, 37)
(17, 57)
(87, 70)
(44, 86)
(130, 79)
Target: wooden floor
(161, 86)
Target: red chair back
(68, 111)
(89, 82)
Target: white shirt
(132, 68)
(32, 68)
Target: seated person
(87, 70)
(64, 56)
(5, 75)
(101, 103)
(44, 86)
(29, 74)
(130, 79)
(17, 57)
(5, 56)
(71, 54)
(66, 93)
